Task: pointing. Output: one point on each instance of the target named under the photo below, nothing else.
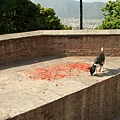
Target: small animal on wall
(98, 62)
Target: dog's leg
(100, 69)
(95, 72)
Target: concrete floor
(21, 93)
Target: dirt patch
(58, 71)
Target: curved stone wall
(24, 46)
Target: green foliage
(48, 20)
(17, 16)
(111, 15)
(23, 15)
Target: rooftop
(27, 85)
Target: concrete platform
(20, 92)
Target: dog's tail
(102, 49)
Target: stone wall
(24, 46)
(98, 102)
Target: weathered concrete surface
(20, 94)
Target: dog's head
(92, 69)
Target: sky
(95, 0)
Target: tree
(23, 15)
(111, 15)
(48, 20)
(18, 16)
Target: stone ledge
(58, 32)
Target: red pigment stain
(57, 71)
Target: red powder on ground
(57, 71)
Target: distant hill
(70, 8)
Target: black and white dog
(98, 62)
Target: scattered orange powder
(57, 71)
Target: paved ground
(21, 90)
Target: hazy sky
(95, 0)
